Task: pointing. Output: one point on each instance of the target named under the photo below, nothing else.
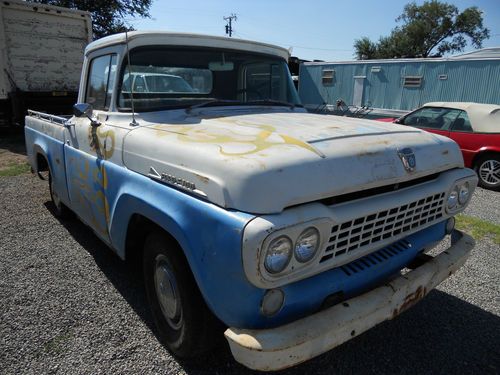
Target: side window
(462, 123)
(100, 81)
(432, 118)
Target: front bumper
(296, 342)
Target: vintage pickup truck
(297, 231)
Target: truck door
(88, 147)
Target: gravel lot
(69, 305)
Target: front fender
(209, 236)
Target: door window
(433, 118)
(462, 123)
(100, 81)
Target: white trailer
(41, 56)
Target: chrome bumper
(296, 342)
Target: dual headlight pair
(281, 250)
(458, 196)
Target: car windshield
(161, 78)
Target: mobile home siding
(467, 81)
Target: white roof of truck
(484, 118)
(141, 38)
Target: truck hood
(264, 161)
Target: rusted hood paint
(263, 161)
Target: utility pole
(229, 24)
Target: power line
(292, 45)
(229, 24)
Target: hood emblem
(408, 159)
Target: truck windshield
(162, 78)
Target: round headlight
(452, 199)
(278, 255)
(307, 244)
(463, 193)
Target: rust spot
(410, 300)
(203, 179)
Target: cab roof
(141, 38)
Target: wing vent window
(327, 77)
(412, 81)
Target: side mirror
(82, 110)
(85, 110)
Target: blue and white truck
(297, 231)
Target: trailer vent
(412, 81)
(327, 77)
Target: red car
(476, 129)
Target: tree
(108, 16)
(365, 49)
(428, 30)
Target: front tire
(488, 171)
(185, 324)
(61, 210)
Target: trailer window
(100, 81)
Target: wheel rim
(167, 292)
(489, 171)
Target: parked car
(156, 83)
(290, 228)
(476, 129)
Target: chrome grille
(353, 235)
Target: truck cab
(289, 228)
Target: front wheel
(185, 324)
(61, 210)
(488, 171)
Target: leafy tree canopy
(427, 30)
(108, 16)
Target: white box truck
(41, 56)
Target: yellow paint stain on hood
(222, 136)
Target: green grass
(58, 344)
(479, 228)
(14, 169)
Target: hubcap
(489, 172)
(167, 292)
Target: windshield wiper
(273, 102)
(213, 102)
(220, 102)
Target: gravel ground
(69, 305)
(485, 205)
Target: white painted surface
(41, 47)
(255, 159)
(145, 38)
(262, 230)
